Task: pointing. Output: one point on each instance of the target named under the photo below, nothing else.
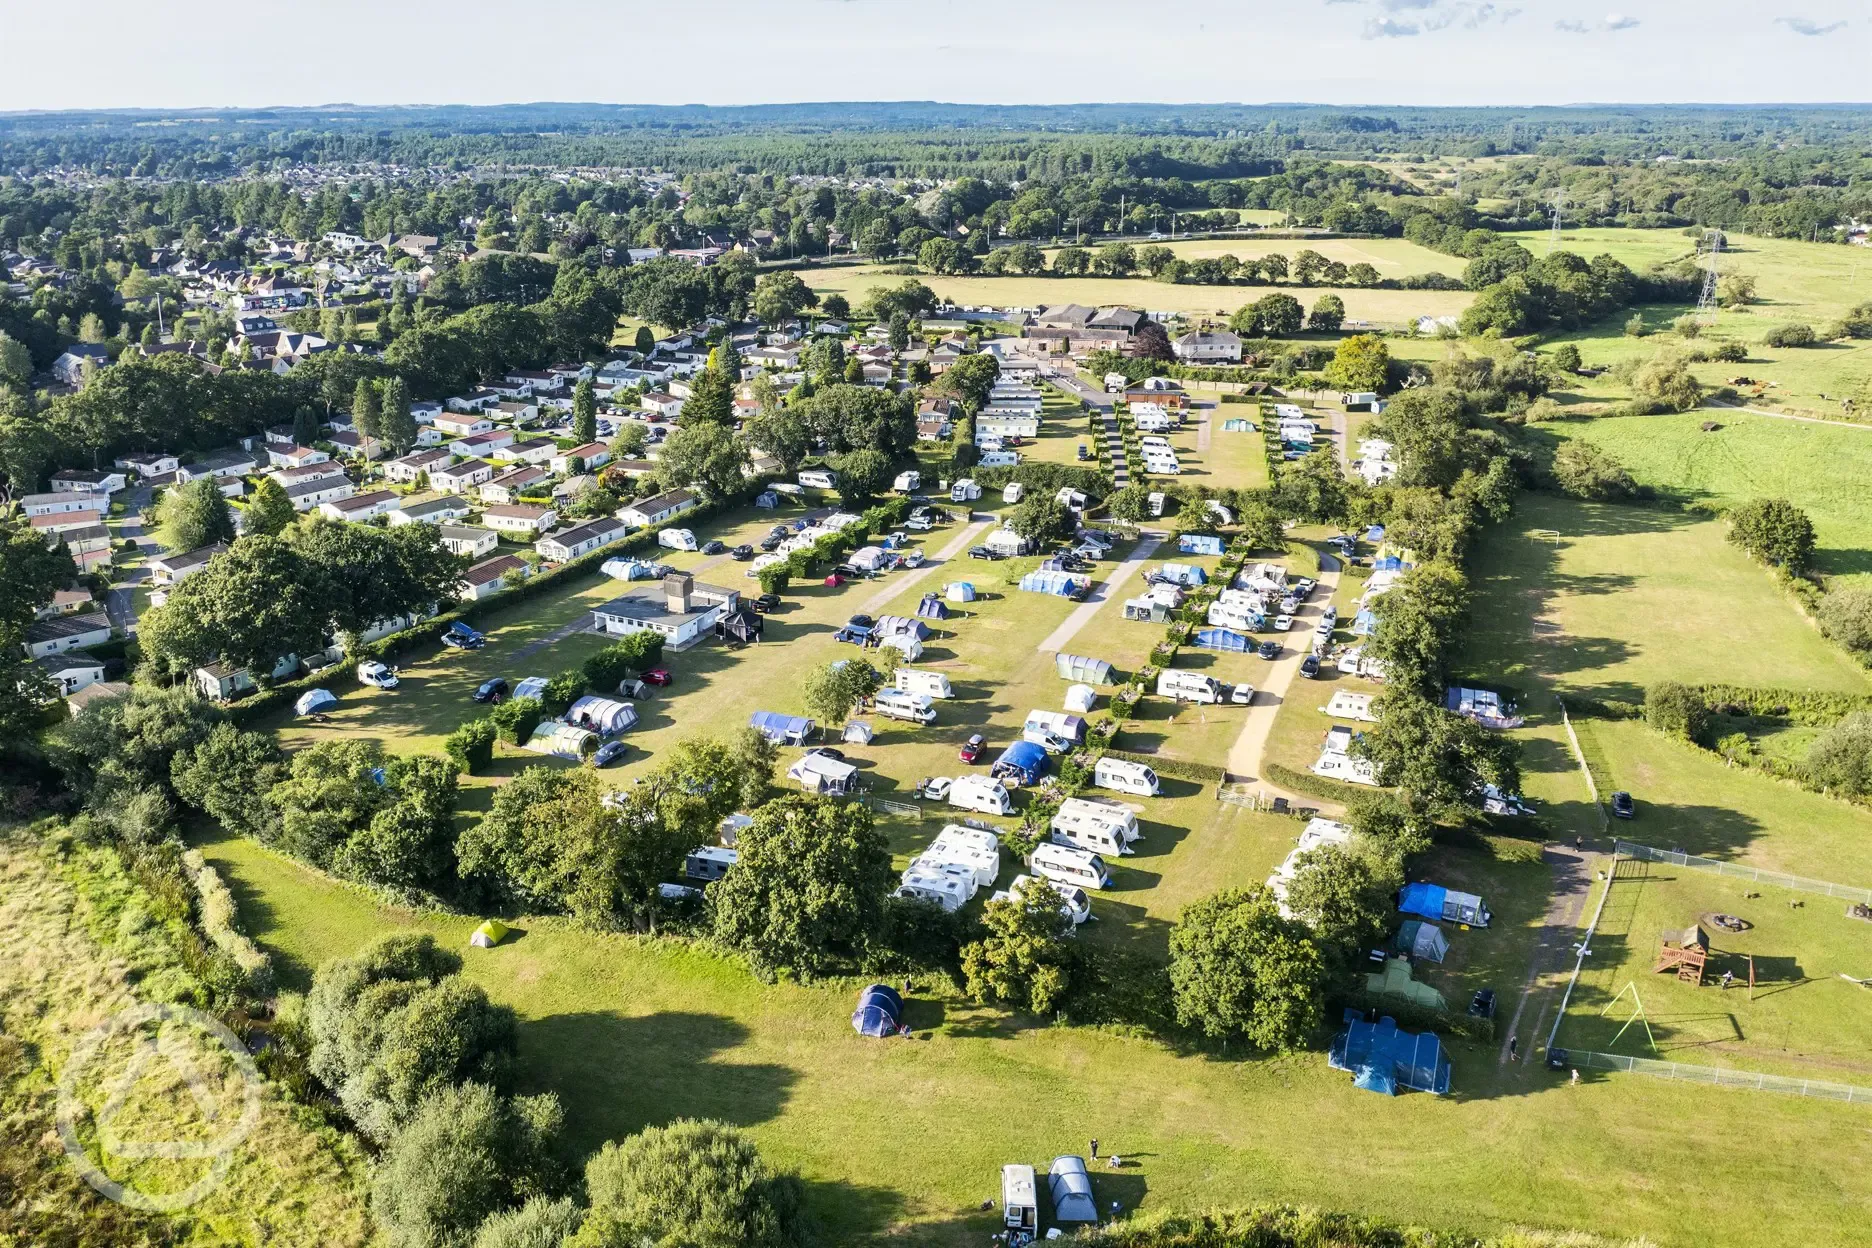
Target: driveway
(1245, 756)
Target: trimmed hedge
(1182, 769)
(1311, 785)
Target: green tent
(489, 934)
(1396, 982)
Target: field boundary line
(1798, 883)
(1721, 1077)
(1579, 756)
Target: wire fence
(1716, 1076)
(1797, 883)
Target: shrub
(1774, 531)
(471, 746)
(1841, 760)
(1846, 617)
(517, 718)
(774, 578)
(1791, 336)
(1582, 470)
(561, 692)
(1677, 709)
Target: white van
(1012, 492)
(371, 672)
(1020, 1204)
(1114, 815)
(1188, 686)
(1155, 503)
(999, 459)
(1068, 865)
(818, 478)
(676, 539)
(1147, 445)
(908, 481)
(929, 684)
(912, 707)
(1121, 775)
(710, 862)
(982, 794)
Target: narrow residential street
(120, 598)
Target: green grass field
(1820, 468)
(1627, 596)
(1392, 257)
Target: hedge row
(1308, 783)
(215, 907)
(1800, 706)
(1182, 769)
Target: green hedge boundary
(1312, 785)
(1182, 769)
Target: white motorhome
(1012, 492)
(1111, 814)
(818, 479)
(908, 481)
(1020, 1204)
(999, 459)
(1188, 686)
(676, 539)
(1124, 776)
(982, 794)
(1068, 865)
(929, 684)
(912, 707)
(710, 862)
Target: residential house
(406, 470)
(774, 357)
(515, 411)
(60, 633)
(476, 400)
(460, 539)
(580, 539)
(678, 608)
(507, 487)
(490, 576)
(78, 360)
(70, 673)
(877, 374)
(462, 424)
(487, 442)
(320, 490)
(294, 456)
(88, 481)
(657, 508)
(430, 511)
(1209, 347)
(663, 404)
(589, 456)
(359, 506)
(170, 569)
(90, 547)
(149, 463)
(529, 451)
(63, 521)
(634, 468)
(457, 478)
(61, 503)
(520, 519)
(357, 446)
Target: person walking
(1514, 1048)
(1095, 1148)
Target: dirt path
(1245, 756)
(895, 586)
(1806, 420)
(1102, 593)
(1553, 954)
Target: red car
(835, 580)
(972, 748)
(656, 676)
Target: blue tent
(1389, 563)
(1433, 901)
(1381, 1058)
(1375, 533)
(782, 729)
(1024, 758)
(1364, 624)
(932, 608)
(879, 1012)
(1059, 584)
(1199, 544)
(1222, 639)
(1185, 574)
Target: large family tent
(781, 729)
(1085, 671)
(879, 1012)
(959, 591)
(631, 570)
(1421, 940)
(605, 716)
(1184, 573)
(1199, 544)
(314, 700)
(1225, 639)
(1382, 1058)
(1433, 901)
(1072, 1191)
(532, 687)
(489, 934)
(1023, 759)
(1395, 982)
(1080, 698)
(561, 740)
(932, 608)
(901, 626)
(1060, 584)
(857, 732)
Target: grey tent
(1425, 941)
(1071, 1188)
(314, 700)
(1081, 670)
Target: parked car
(1282, 623)
(371, 672)
(766, 603)
(461, 637)
(609, 753)
(828, 752)
(770, 543)
(1269, 650)
(935, 788)
(1242, 695)
(657, 676)
(1310, 667)
(834, 581)
(743, 552)
(861, 620)
(712, 547)
(1622, 805)
(491, 690)
(982, 552)
(780, 530)
(972, 748)
(920, 524)
(913, 558)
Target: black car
(1270, 650)
(1622, 805)
(1310, 667)
(828, 752)
(780, 530)
(861, 620)
(743, 552)
(1482, 1004)
(982, 552)
(713, 547)
(771, 543)
(766, 603)
(491, 691)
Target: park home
(1123, 776)
(676, 539)
(1070, 865)
(709, 862)
(929, 684)
(981, 794)
(1186, 686)
(911, 707)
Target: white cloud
(1618, 21)
(1572, 26)
(1802, 26)
(1388, 28)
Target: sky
(159, 54)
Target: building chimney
(677, 589)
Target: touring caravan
(676, 539)
(1185, 686)
(981, 794)
(908, 482)
(964, 491)
(911, 707)
(818, 479)
(709, 862)
(928, 684)
(1105, 812)
(1124, 776)
(999, 459)
(1012, 492)
(1087, 828)
(1156, 503)
(976, 850)
(1074, 903)
(1068, 865)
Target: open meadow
(1392, 257)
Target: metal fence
(1798, 883)
(885, 806)
(1715, 1076)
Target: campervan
(1020, 1204)
(907, 482)
(999, 459)
(676, 539)
(929, 684)
(1105, 812)
(912, 707)
(818, 478)
(1069, 865)
(1147, 445)
(981, 794)
(1185, 686)
(1124, 776)
(1012, 492)
(709, 862)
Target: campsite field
(1821, 469)
(1626, 596)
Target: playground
(1709, 970)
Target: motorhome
(1103, 811)
(1068, 865)
(1020, 1204)
(709, 862)
(1186, 686)
(929, 684)
(1012, 492)
(1124, 776)
(982, 794)
(912, 707)
(1147, 445)
(677, 539)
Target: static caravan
(913, 708)
(1068, 865)
(929, 684)
(1186, 686)
(677, 539)
(1101, 811)
(709, 862)
(981, 794)
(1124, 776)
